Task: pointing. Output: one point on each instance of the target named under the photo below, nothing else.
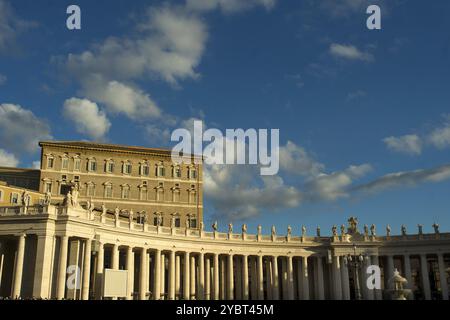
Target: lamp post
(355, 262)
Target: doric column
(201, 276)
(275, 288)
(216, 276)
(337, 287)
(43, 267)
(115, 257)
(18, 272)
(207, 278)
(178, 276)
(157, 279)
(443, 277)
(320, 281)
(86, 270)
(345, 280)
(260, 278)
(305, 281)
(408, 274)
(290, 278)
(269, 281)
(376, 262)
(223, 278)
(172, 275)
(230, 287)
(130, 269)
(62, 268)
(186, 277)
(99, 271)
(284, 282)
(162, 290)
(245, 295)
(425, 276)
(143, 275)
(193, 277)
(370, 294)
(389, 270)
(2, 261)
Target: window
(192, 196)
(92, 165)
(145, 169)
(177, 172)
(90, 190)
(193, 223)
(76, 164)
(76, 179)
(143, 194)
(158, 217)
(1, 195)
(64, 177)
(50, 162)
(126, 192)
(48, 187)
(160, 192)
(141, 218)
(109, 166)
(192, 173)
(65, 163)
(108, 191)
(127, 168)
(160, 170)
(176, 193)
(177, 222)
(14, 198)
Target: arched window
(127, 167)
(176, 193)
(143, 192)
(160, 170)
(176, 172)
(109, 166)
(192, 193)
(90, 189)
(192, 172)
(144, 169)
(92, 165)
(76, 163)
(65, 162)
(50, 161)
(125, 191)
(160, 192)
(108, 190)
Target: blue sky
(364, 116)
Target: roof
(106, 147)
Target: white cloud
(87, 117)
(236, 195)
(349, 52)
(409, 178)
(169, 45)
(36, 164)
(238, 192)
(440, 137)
(295, 160)
(119, 98)
(8, 159)
(20, 129)
(409, 144)
(330, 187)
(3, 79)
(228, 6)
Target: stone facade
(39, 243)
(131, 178)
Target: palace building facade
(66, 228)
(143, 180)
